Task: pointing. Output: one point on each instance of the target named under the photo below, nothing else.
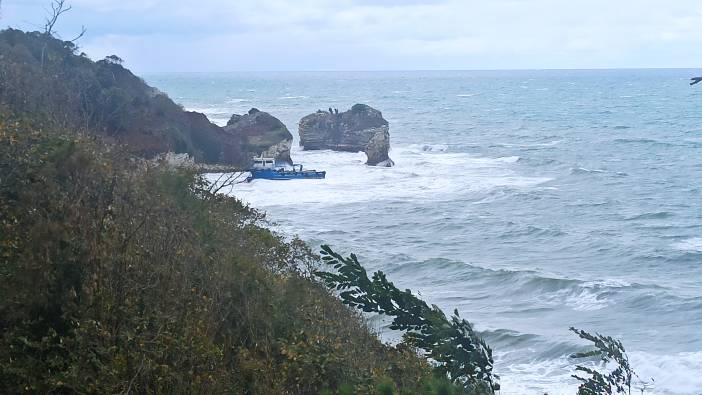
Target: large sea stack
(362, 128)
(262, 134)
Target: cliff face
(362, 128)
(262, 134)
(47, 79)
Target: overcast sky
(229, 35)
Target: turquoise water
(530, 200)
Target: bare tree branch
(83, 30)
(58, 7)
(227, 180)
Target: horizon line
(417, 70)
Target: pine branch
(451, 343)
(608, 350)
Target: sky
(258, 35)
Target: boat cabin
(263, 163)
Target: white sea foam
(428, 147)
(417, 175)
(588, 296)
(674, 374)
(534, 145)
(693, 244)
(537, 377)
(580, 299)
(584, 170)
(586, 300)
(292, 97)
(217, 115)
(508, 159)
(677, 374)
(609, 283)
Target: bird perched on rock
(695, 80)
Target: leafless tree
(227, 180)
(58, 7)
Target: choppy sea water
(531, 201)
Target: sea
(530, 201)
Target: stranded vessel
(266, 169)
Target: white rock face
(176, 160)
(280, 151)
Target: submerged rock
(362, 128)
(262, 134)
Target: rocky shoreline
(360, 129)
(109, 101)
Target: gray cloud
(154, 35)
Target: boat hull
(283, 175)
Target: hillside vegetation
(43, 78)
(119, 277)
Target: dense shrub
(121, 276)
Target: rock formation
(262, 133)
(362, 128)
(47, 78)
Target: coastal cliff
(48, 80)
(362, 128)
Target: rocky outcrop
(212, 144)
(262, 134)
(47, 78)
(362, 128)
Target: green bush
(117, 275)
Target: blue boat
(266, 169)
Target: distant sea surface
(531, 201)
